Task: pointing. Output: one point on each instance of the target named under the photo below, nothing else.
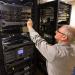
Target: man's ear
(64, 37)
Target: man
(61, 56)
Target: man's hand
(29, 24)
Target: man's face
(60, 36)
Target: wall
(72, 20)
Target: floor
(39, 72)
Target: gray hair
(70, 32)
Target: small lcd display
(20, 51)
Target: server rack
(52, 16)
(17, 50)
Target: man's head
(65, 34)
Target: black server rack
(52, 15)
(17, 50)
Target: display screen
(20, 51)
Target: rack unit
(63, 14)
(14, 14)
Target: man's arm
(45, 49)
